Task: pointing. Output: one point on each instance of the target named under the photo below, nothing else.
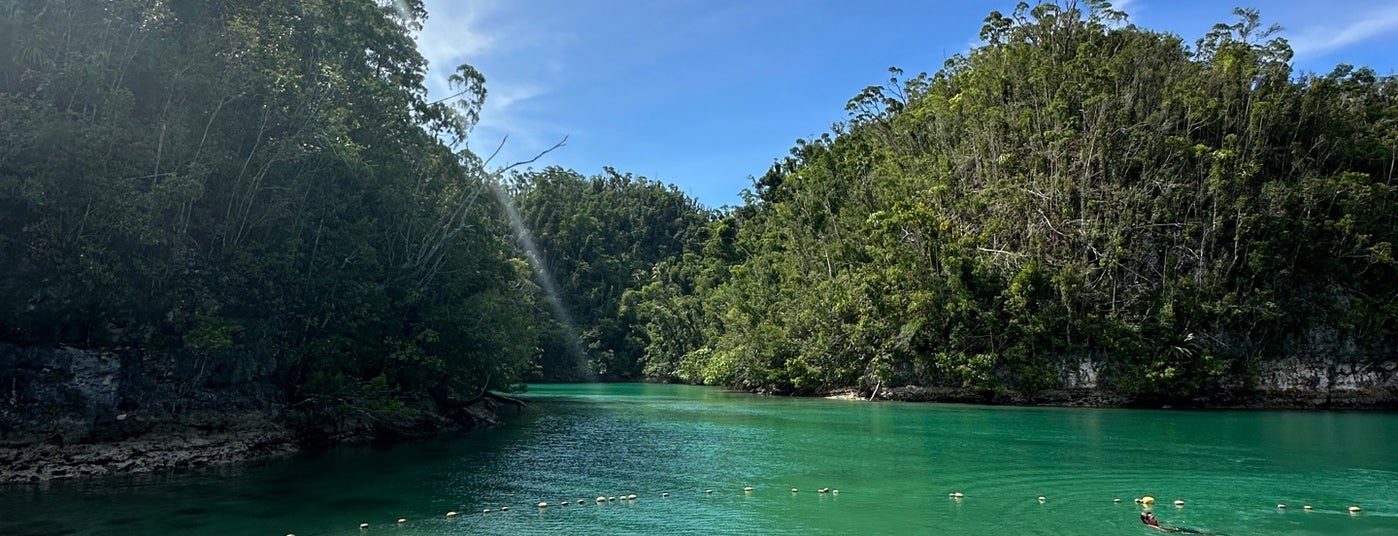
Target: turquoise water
(894, 465)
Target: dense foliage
(1078, 188)
(598, 239)
(270, 176)
(261, 176)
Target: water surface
(893, 464)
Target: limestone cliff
(67, 412)
(70, 412)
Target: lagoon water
(894, 465)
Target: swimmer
(1150, 521)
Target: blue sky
(708, 93)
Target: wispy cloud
(506, 97)
(1129, 6)
(490, 35)
(512, 114)
(455, 31)
(1314, 41)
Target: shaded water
(894, 465)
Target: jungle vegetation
(271, 176)
(263, 176)
(1078, 188)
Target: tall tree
(598, 238)
(264, 176)
(1079, 188)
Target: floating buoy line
(1145, 502)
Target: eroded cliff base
(73, 413)
(1355, 399)
(34, 460)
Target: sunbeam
(552, 296)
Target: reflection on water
(894, 465)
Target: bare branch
(1001, 252)
(497, 150)
(560, 143)
(452, 96)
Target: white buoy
(1354, 509)
(1147, 500)
(666, 494)
(543, 505)
(564, 503)
(1281, 506)
(1116, 500)
(504, 508)
(747, 488)
(631, 497)
(835, 491)
(601, 499)
(363, 525)
(486, 511)
(709, 491)
(453, 514)
(1179, 502)
(402, 521)
(957, 494)
(1307, 507)
(793, 490)
(1042, 498)
(823, 490)
(611, 498)
(580, 501)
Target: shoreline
(30, 463)
(76, 413)
(81, 450)
(55, 453)
(35, 460)
(1356, 400)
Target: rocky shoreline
(75, 413)
(1331, 381)
(32, 463)
(953, 395)
(1368, 399)
(36, 459)
(72, 413)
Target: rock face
(1322, 377)
(68, 412)
(1291, 383)
(1298, 382)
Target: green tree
(1077, 188)
(266, 176)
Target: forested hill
(598, 239)
(1078, 189)
(263, 177)
(225, 184)
(271, 178)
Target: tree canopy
(600, 238)
(272, 177)
(1078, 188)
(259, 176)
